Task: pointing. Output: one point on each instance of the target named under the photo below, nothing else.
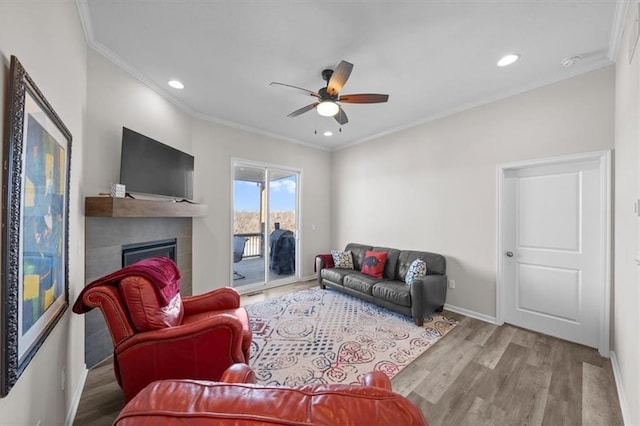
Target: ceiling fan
(329, 98)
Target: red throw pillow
(373, 263)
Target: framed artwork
(35, 225)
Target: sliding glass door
(264, 241)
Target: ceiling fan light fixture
(328, 108)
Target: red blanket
(327, 260)
(162, 272)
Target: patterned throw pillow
(342, 259)
(373, 263)
(417, 269)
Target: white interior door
(553, 256)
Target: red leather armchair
(192, 337)
(235, 400)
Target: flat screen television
(152, 168)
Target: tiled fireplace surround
(105, 237)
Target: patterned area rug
(324, 336)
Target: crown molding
(617, 28)
(538, 84)
(249, 129)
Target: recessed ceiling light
(508, 59)
(176, 84)
(328, 133)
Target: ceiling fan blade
(341, 117)
(303, 110)
(339, 77)
(364, 98)
(305, 91)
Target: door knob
(509, 254)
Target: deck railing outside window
(254, 246)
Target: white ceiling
(433, 58)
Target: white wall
(47, 38)
(116, 99)
(626, 335)
(214, 146)
(433, 187)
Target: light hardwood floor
(478, 374)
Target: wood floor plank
(495, 346)
(596, 392)
(529, 396)
(450, 365)
(409, 378)
(458, 398)
(483, 413)
(566, 379)
(506, 376)
(101, 399)
(556, 414)
(481, 332)
(524, 338)
(540, 354)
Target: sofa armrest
(319, 267)
(106, 298)
(377, 379)
(428, 294)
(323, 260)
(238, 373)
(214, 300)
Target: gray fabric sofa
(425, 295)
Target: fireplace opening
(132, 253)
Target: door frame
(259, 286)
(604, 159)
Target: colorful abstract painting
(35, 231)
(43, 226)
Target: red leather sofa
(235, 400)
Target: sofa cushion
(342, 259)
(358, 251)
(335, 275)
(359, 282)
(417, 269)
(392, 262)
(393, 291)
(143, 304)
(436, 263)
(373, 263)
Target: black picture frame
(35, 225)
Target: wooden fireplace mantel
(127, 207)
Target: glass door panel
(247, 246)
(282, 224)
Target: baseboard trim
(472, 314)
(75, 402)
(617, 376)
(308, 278)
